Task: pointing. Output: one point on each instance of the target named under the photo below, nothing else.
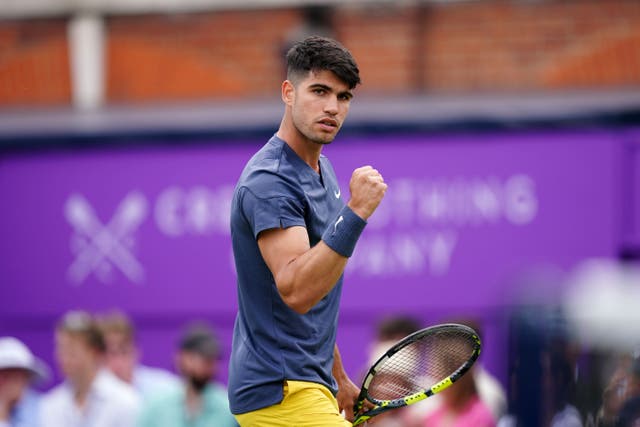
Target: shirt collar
(306, 173)
(99, 387)
(102, 383)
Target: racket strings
(420, 365)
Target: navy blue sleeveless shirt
(271, 342)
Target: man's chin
(324, 141)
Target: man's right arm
(304, 275)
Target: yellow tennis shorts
(304, 404)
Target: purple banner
(632, 190)
(146, 229)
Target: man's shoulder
(165, 400)
(149, 380)
(269, 181)
(164, 408)
(56, 401)
(216, 391)
(217, 402)
(115, 389)
(155, 374)
(267, 158)
(263, 167)
(56, 394)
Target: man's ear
(288, 92)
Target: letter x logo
(98, 247)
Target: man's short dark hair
(200, 339)
(321, 53)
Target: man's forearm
(338, 369)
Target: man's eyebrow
(347, 93)
(321, 86)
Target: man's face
(121, 356)
(196, 369)
(13, 383)
(76, 358)
(320, 103)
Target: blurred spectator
(543, 370)
(477, 399)
(559, 382)
(91, 396)
(123, 356)
(621, 397)
(629, 415)
(200, 402)
(490, 390)
(18, 369)
(461, 406)
(388, 332)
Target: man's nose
(331, 106)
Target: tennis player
(292, 236)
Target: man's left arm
(347, 391)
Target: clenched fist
(367, 190)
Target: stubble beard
(315, 137)
(322, 141)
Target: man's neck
(307, 150)
(193, 402)
(82, 388)
(5, 411)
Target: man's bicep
(281, 246)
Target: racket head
(418, 366)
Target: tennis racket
(420, 365)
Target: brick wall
(387, 46)
(492, 45)
(532, 45)
(216, 55)
(34, 63)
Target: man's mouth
(329, 124)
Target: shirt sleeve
(274, 212)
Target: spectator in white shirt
(123, 357)
(90, 396)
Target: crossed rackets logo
(100, 248)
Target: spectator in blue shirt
(18, 369)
